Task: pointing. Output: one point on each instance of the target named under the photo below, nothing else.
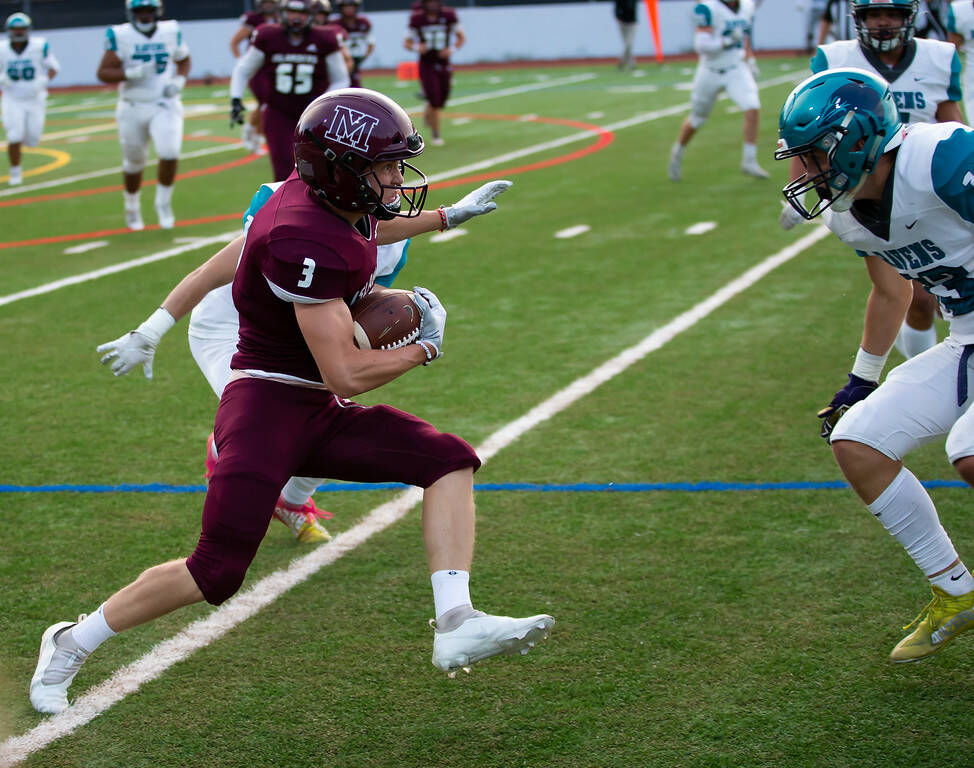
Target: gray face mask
(145, 28)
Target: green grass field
(719, 628)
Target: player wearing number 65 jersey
(149, 60)
(903, 198)
(294, 63)
(26, 65)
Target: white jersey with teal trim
(960, 21)
(26, 72)
(725, 23)
(215, 317)
(928, 74)
(164, 47)
(931, 224)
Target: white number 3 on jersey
(307, 274)
(968, 180)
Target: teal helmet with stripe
(839, 122)
(884, 38)
(18, 27)
(146, 27)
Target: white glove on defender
(174, 87)
(477, 203)
(139, 71)
(432, 322)
(137, 347)
(789, 217)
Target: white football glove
(174, 87)
(432, 320)
(139, 71)
(477, 203)
(137, 347)
(789, 217)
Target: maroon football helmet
(338, 139)
(299, 6)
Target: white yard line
(570, 232)
(243, 606)
(115, 268)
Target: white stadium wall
(497, 34)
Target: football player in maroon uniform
(310, 255)
(265, 13)
(434, 31)
(294, 62)
(361, 41)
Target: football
(386, 318)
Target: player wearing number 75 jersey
(149, 60)
(293, 63)
(903, 198)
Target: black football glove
(857, 389)
(236, 112)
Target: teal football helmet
(850, 116)
(146, 28)
(18, 27)
(887, 38)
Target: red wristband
(443, 225)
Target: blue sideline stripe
(530, 487)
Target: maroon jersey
(309, 255)
(437, 33)
(293, 75)
(253, 19)
(357, 31)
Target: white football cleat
(16, 176)
(482, 636)
(167, 220)
(437, 141)
(56, 668)
(753, 169)
(133, 219)
(675, 169)
(251, 138)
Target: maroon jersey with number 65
(296, 252)
(293, 74)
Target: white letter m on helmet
(351, 128)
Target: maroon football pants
(267, 432)
(435, 78)
(279, 132)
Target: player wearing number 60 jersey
(26, 65)
(149, 60)
(293, 62)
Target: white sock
(906, 510)
(451, 589)
(92, 631)
(677, 150)
(910, 342)
(163, 194)
(14, 169)
(956, 581)
(298, 490)
(212, 448)
(131, 200)
(749, 153)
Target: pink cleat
(303, 521)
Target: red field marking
(604, 138)
(148, 183)
(122, 231)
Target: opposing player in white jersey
(26, 66)
(924, 77)
(149, 60)
(214, 326)
(723, 40)
(901, 197)
(960, 26)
